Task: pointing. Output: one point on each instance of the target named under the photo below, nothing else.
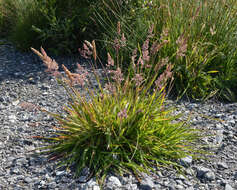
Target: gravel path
(23, 83)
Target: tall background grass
(207, 69)
(210, 28)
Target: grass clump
(124, 125)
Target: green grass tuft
(124, 126)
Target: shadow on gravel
(16, 65)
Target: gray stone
(181, 177)
(228, 187)
(92, 184)
(189, 171)
(219, 137)
(145, 187)
(45, 87)
(209, 176)
(222, 165)
(205, 173)
(28, 180)
(186, 161)
(12, 118)
(179, 182)
(179, 187)
(85, 171)
(189, 188)
(131, 186)
(187, 182)
(22, 177)
(147, 181)
(113, 182)
(232, 121)
(235, 175)
(95, 187)
(42, 182)
(58, 173)
(82, 178)
(11, 159)
(21, 161)
(15, 103)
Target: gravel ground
(23, 84)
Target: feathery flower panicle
(162, 63)
(68, 73)
(168, 71)
(203, 26)
(52, 67)
(145, 55)
(164, 34)
(138, 78)
(157, 46)
(110, 61)
(150, 31)
(123, 40)
(123, 114)
(79, 79)
(81, 75)
(134, 55)
(29, 106)
(118, 28)
(145, 50)
(140, 61)
(83, 72)
(76, 78)
(94, 50)
(109, 87)
(212, 30)
(182, 43)
(116, 45)
(154, 48)
(148, 66)
(85, 51)
(196, 13)
(89, 45)
(117, 75)
(159, 82)
(145, 46)
(164, 77)
(51, 64)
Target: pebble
(205, 173)
(219, 137)
(28, 180)
(58, 173)
(186, 161)
(179, 187)
(113, 182)
(92, 184)
(235, 175)
(228, 187)
(147, 183)
(222, 165)
(145, 187)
